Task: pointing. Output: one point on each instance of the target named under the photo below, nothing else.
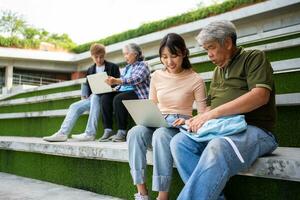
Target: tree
(12, 23)
(21, 35)
(30, 33)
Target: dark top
(110, 68)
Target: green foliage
(62, 40)
(21, 35)
(169, 22)
(65, 42)
(12, 23)
(30, 32)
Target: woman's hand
(178, 122)
(113, 81)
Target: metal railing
(24, 79)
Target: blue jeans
(141, 138)
(205, 167)
(78, 108)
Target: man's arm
(85, 87)
(252, 100)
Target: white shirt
(100, 69)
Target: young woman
(133, 84)
(174, 89)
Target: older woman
(174, 89)
(133, 84)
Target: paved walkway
(19, 188)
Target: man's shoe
(107, 136)
(139, 196)
(56, 137)
(119, 137)
(84, 137)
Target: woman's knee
(95, 97)
(161, 136)
(137, 133)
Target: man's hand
(113, 81)
(197, 122)
(84, 97)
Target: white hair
(217, 31)
(136, 49)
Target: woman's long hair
(176, 45)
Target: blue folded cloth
(220, 127)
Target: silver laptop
(145, 112)
(97, 83)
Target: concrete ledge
(44, 98)
(264, 47)
(283, 164)
(282, 66)
(292, 99)
(156, 64)
(90, 150)
(46, 113)
(46, 87)
(14, 187)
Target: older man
(241, 84)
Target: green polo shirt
(245, 71)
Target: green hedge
(113, 178)
(170, 22)
(15, 42)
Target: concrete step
(282, 164)
(14, 187)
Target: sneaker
(56, 137)
(107, 136)
(139, 196)
(83, 137)
(119, 137)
